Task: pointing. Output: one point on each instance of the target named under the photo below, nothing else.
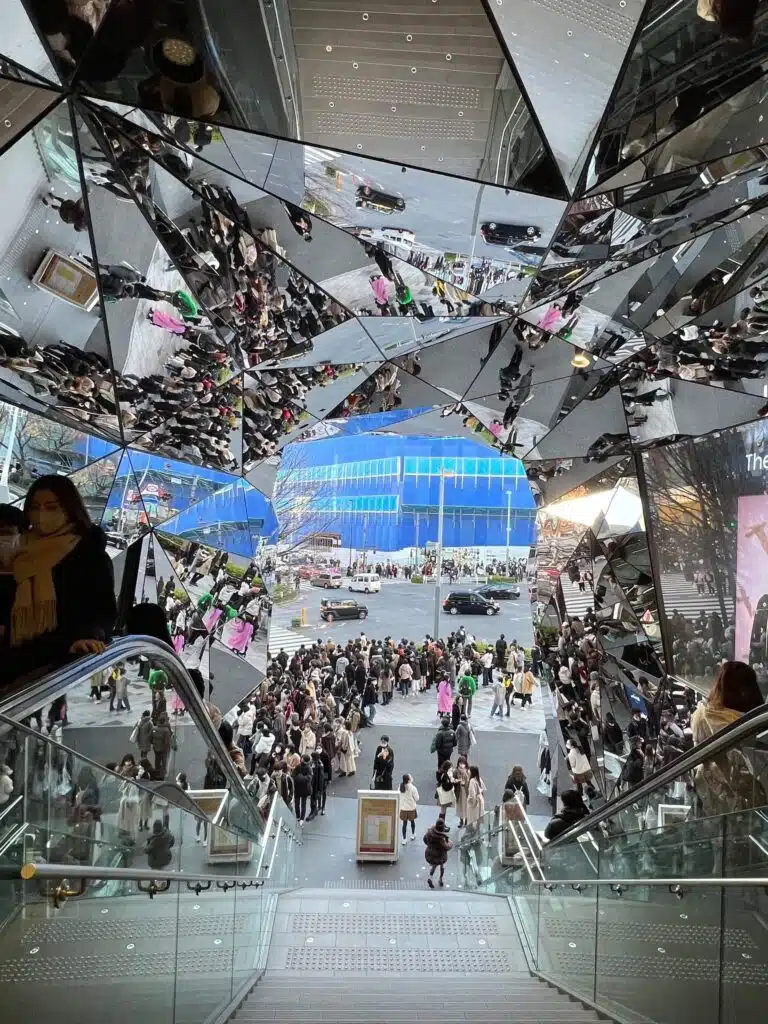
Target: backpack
(465, 689)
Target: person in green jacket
(158, 681)
(467, 686)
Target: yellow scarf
(34, 607)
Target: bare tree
(693, 491)
(303, 503)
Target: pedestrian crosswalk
(678, 593)
(681, 595)
(287, 639)
(577, 601)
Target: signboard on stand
(378, 835)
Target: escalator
(654, 907)
(118, 890)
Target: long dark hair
(404, 783)
(68, 496)
(735, 687)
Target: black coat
(445, 741)
(302, 779)
(382, 771)
(85, 606)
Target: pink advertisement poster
(751, 567)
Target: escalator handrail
(672, 883)
(706, 751)
(32, 870)
(28, 697)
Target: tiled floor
(421, 710)
(367, 933)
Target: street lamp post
(439, 563)
(509, 502)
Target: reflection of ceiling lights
(580, 359)
(618, 507)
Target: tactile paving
(77, 930)
(623, 931)
(394, 924)
(429, 94)
(53, 970)
(361, 959)
(399, 127)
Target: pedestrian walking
(475, 797)
(409, 798)
(446, 793)
(436, 853)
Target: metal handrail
(33, 870)
(28, 697)
(672, 883)
(706, 751)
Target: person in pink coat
(551, 318)
(380, 290)
(444, 698)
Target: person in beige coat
(475, 797)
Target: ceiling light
(580, 359)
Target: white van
(368, 582)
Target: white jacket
(578, 762)
(264, 745)
(245, 721)
(409, 798)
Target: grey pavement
(403, 609)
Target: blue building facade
(381, 492)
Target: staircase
(393, 956)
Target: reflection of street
(354, 289)
(148, 347)
(400, 609)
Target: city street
(400, 609)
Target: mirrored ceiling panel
(53, 349)
(422, 85)
(688, 60)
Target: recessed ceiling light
(328, 49)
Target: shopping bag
(544, 785)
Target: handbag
(134, 734)
(544, 785)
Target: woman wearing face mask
(63, 599)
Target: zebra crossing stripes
(680, 595)
(576, 601)
(287, 639)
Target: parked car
(368, 582)
(508, 234)
(326, 580)
(372, 199)
(306, 572)
(469, 602)
(331, 609)
(499, 591)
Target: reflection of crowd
(233, 607)
(274, 402)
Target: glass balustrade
(97, 944)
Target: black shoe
(430, 883)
